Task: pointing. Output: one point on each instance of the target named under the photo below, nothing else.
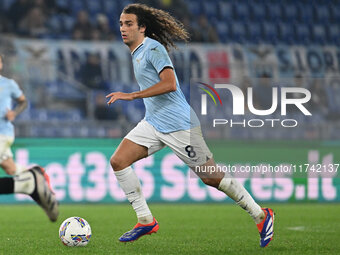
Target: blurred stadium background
(66, 55)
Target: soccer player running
(169, 120)
(34, 181)
(9, 92)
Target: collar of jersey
(138, 46)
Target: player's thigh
(6, 155)
(127, 153)
(189, 146)
(146, 135)
(137, 144)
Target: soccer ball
(75, 231)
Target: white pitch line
(298, 228)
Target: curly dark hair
(160, 25)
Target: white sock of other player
(19, 169)
(232, 188)
(24, 183)
(130, 184)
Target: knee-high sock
(232, 188)
(19, 168)
(6, 185)
(130, 184)
(22, 183)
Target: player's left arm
(166, 84)
(21, 105)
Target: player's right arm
(166, 84)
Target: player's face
(132, 35)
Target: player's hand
(10, 115)
(119, 96)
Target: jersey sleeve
(16, 92)
(159, 57)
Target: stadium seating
(77, 5)
(210, 9)
(253, 22)
(94, 7)
(276, 17)
(241, 10)
(285, 33)
(319, 34)
(274, 11)
(270, 32)
(194, 7)
(258, 12)
(225, 12)
(64, 90)
(254, 32)
(302, 34)
(223, 31)
(333, 100)
(333, 32)
(322, 13)
(290, 12)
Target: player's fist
(10, 115)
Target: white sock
(24, 183)
(19, 169)
(240, 195)
(130, 184)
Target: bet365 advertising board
(271, 171)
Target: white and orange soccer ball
(75, 231)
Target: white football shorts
(5, 147)
(188, 145)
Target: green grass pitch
(184, 229)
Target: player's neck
(134, 46)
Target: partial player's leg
(190, 146)
(263, 217)
(231, 187)
(6, 156)
(33, 183)
(138, 144)
(126, 154)
(9, 166)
